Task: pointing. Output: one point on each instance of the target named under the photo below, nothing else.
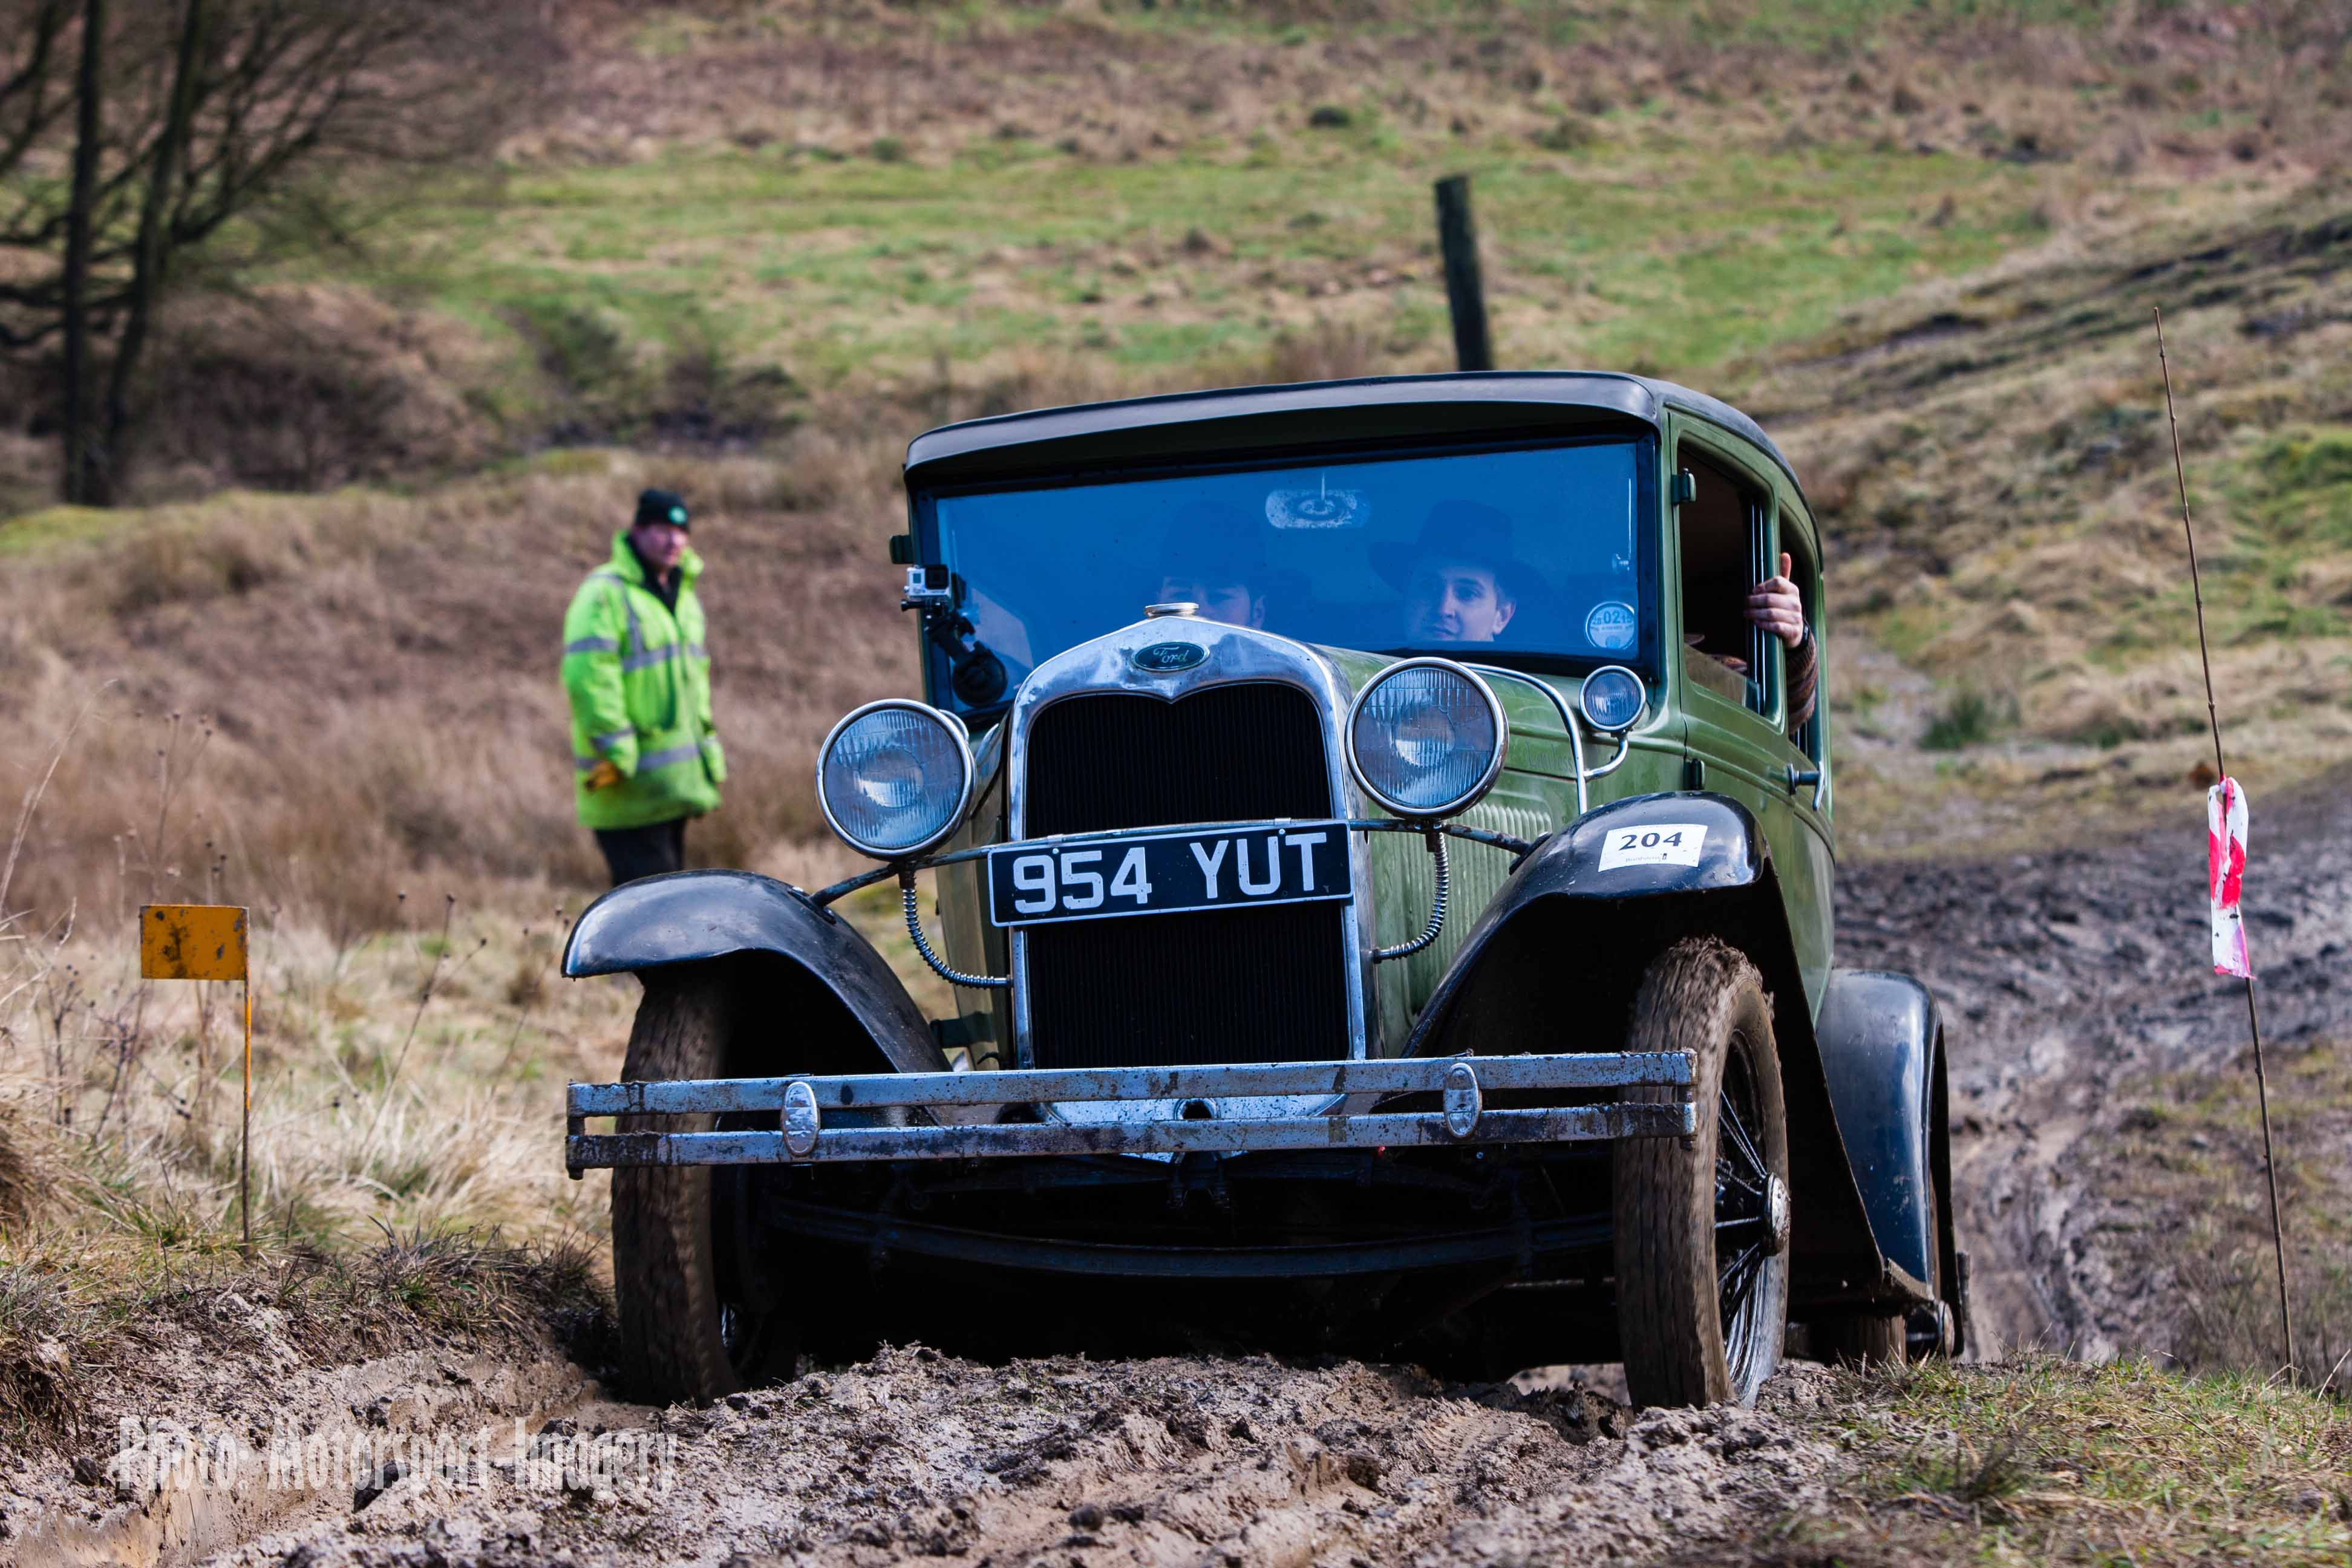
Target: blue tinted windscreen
(1530, 551)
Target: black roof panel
(1160, 424)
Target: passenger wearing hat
(645, 754)
(1459, 579)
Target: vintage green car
(1391, 901)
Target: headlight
(894, 777)
(1426, 738)
(1612, 698)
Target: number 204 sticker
(1654, 844)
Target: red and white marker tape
(2225, 830)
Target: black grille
(1231, 753)
(1173, 989)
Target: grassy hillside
(1994, 456)
(734, 212)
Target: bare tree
(189, 115)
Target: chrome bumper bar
(798, 1106)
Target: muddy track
(2066, 979)
(1177, 1460)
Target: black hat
(1459, 530)
(661, 506)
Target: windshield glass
(1532, 553)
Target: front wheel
(1702, 1225)
(691, 1329)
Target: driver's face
(1231, 603)
(1456, 600)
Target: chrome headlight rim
(956, 730)
(1467, 798)
(1584, 710)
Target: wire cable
(923, 946)
(1436, 908)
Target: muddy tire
(1702, 1269)
(682, 1339)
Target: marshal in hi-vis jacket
(638, 678)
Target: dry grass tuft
(33, 1168)
(2190, 1144)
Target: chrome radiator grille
(1184, 989)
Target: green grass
(2043, 1460)
(1672, 256)
(2291, 504)
(1970, 718)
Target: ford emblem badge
(1167, 657)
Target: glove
(603, 775)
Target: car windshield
(1531, 553)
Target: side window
(1806, 736)
(1721, 524)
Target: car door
(1726, 505)
(1802, 752)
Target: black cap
(661, 506)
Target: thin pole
(244, 1132)
(2213, 721)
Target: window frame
(1762, 497)
(1813, 740)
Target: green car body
(1692, 735)
(1504, 1113)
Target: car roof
(1172, 424)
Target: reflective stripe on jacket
(638, 677)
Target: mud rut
(2064, 977)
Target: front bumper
(797, 1108)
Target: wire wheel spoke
(1731, 1123)
(1724, 1176)
(1735, 1301)
(1728, 1275)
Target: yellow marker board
(207, 942)
(191, 942)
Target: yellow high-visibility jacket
(638, 677)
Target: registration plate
(1167, 873)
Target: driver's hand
(1777, 606)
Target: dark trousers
(648, 852)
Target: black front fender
(1731, 864)
(1882, 1048)
(1554, 961)
(826, 966)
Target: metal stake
(2213, 721)
(244, 1130)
